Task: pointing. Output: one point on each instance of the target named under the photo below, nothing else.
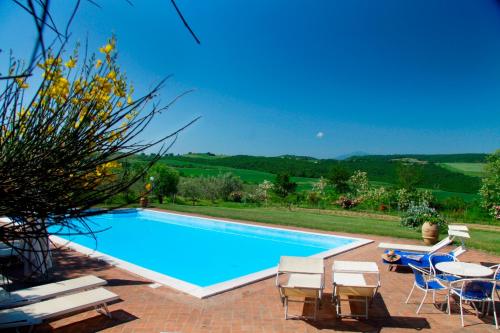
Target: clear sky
(317, 78)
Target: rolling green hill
(379, 168)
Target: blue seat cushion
(475, 291)
(422, 262)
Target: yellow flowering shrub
(92, 100)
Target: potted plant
(424, 217)
(430, 230)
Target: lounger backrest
(301, 265)
(458, 227)
(458, 233)
(363, 291)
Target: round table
(464, 269)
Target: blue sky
(384, 76)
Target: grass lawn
(486, 240)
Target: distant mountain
(354, 153)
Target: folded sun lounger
(306, 280)
(34, 314)
(51, 290)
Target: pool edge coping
(192, 289)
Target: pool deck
(256, 307)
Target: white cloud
(320, 135)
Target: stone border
(203, 292)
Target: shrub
(313, 198)
(403, 198)
(228, 184)
(417, 215)
(358, 183)
(236, 196)
(425, 196)
(490, 189)
(377, 197)
(347, 203)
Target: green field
(480, 239)
(470, 169)
(189, 169)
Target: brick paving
(256, 307)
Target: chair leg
(434, 297)
(461, 312)
(316, 304)
(366, 307)
(411, 291)
(448, 300)
(286, 308)
(422, 303)
(494, 313)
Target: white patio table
(464, 269)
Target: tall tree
(339, 178)
(165, 181)
(283, 186)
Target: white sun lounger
(34, 314)
(349, 284)
(427, 249)
(306, 279)
(51, 290)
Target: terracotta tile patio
(256, 307)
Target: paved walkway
(256, 307)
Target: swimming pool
(197, 255)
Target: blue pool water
(196, 250)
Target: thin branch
(185, 22)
